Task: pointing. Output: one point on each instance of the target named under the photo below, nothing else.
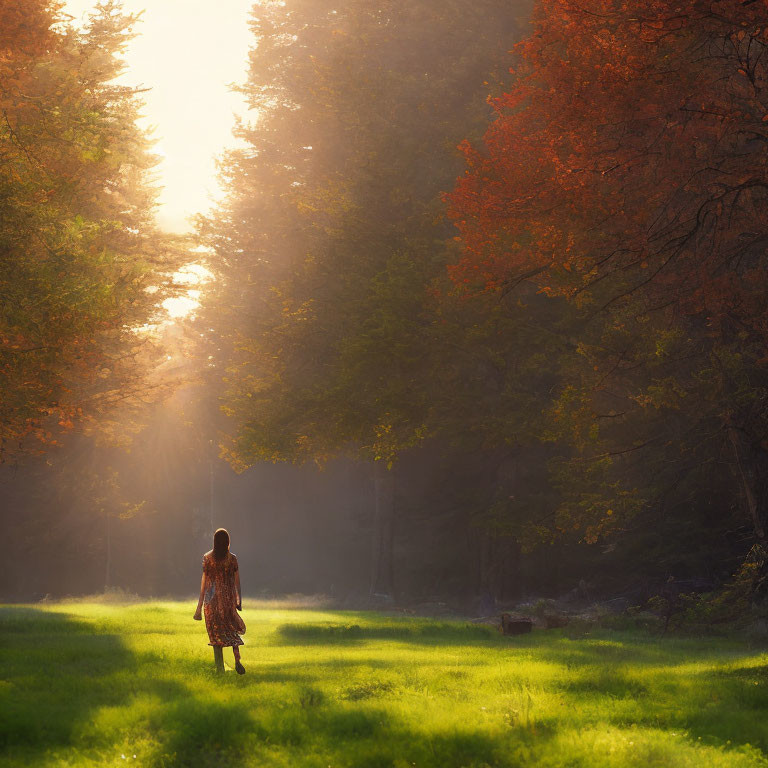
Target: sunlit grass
(86, 684)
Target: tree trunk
(509, 570)
(108, 564)
(497, 552)
(382, 570)
(746, 477)
(507, 551)
(485, 597)
(211, 476)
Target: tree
(332, 232)
(83, 270)
(624, 171)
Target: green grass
(82, 684)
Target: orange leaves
(77, 245)
(25, 27)
(593, 141)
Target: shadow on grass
(681, 684)
(312, 728)
(605, 647)
(55, 671)
(369, 739)
(726, 705)
(426, 633)
(67, 686)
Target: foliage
(738, 604)
(82, 268)
(332, 233)
(624, 172)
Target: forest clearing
(453, 312)
(115, 685)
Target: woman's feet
(238, 666)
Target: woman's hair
(220, 543)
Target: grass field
(84, 684)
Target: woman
(220, 593)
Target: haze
(187, 52)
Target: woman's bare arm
(198, 615)
(239, 593)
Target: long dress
(223, 622)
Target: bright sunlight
(384, 384)
(188, 53)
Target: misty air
(383, 384)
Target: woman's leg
(238, 666)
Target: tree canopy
(82, 266)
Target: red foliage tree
(626, 170)
(632, 145)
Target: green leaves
(77, 245)
(333, 234)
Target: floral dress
(223, 622)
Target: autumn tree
(625, 172)
(82, 267)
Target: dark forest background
(486, 319)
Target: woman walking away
(222, 599)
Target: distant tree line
(509, 262)
(581, 316)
